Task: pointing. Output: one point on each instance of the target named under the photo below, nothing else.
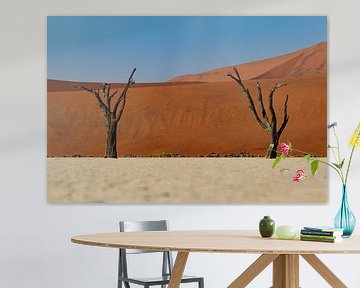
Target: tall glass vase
(345, 219)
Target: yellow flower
(355, 138)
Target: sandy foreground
(182, 180)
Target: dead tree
(267, 119)
(113, 113)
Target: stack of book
(321, 234)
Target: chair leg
(119, 270)
(201, 283)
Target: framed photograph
(185, 109)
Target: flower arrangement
(344, 219)
(339, 164)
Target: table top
(216, 241)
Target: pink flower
(300, 174)
(285, 148)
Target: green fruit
(285, 232)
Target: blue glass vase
(345, 219)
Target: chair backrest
(138, 226)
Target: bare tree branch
(271, 104)
(121, 109)
(249, 97)
(123, 94)
(286, 117)
(106, 90)
(261, 104)
(97, 95)
(266, 123)
(113, 94)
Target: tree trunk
(272, 149)
(111, 139)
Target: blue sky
(106, 48)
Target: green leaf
(276, 161)
(342, 163)
(314, 167)
(336, 165)
(307, 157)
(339, 166)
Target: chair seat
(158, 280)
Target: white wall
(35, 248)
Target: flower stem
(348, 167)
(337, 144)
(326, 163)
(339, 155)
(333, 152)
(337, 170)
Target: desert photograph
(186, 109)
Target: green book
(325, 240)
(319, 236)
(324, 228)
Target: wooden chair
(167, 262)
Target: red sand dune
(190, 117)
(193, 119)
(310, 61)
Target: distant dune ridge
(306, 62)
(61, 86)
(197, 114)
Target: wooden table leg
(178, 269)
(253, 270)
(293, 262)
(324, 271)
(286, 271)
